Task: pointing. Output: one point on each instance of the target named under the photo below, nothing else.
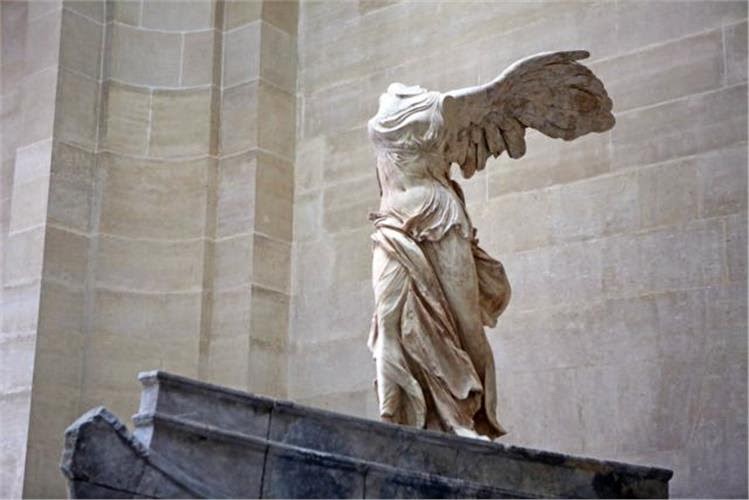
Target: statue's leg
(388, 394)
(453, 262)
(388, 280)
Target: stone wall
(252, 252)
(167, 159)
(626, 334)
(30, 40)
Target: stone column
(248, 336)
(164, 139)
(29, 40)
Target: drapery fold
(426, 377)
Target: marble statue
(435, 289)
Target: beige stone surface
(20, 307)
(348, 155)
(327, 361)
(149, 265)
(269, 317)
(16, 354)
(681, 127)
(124, 11)
(151, 198)
(197, 58)
(180, 123)
(344, 209)
(664, 259)
(81, 38)
(594, 207)
(177, 16)
(736, 52)
(96, 10)
(508, 234)
(23, 256)
(65, 259)
(276, 109)
(721, 179)
(29, 204)
(14, 409)
(736, 249)
(668, 193)
(278, 52)
(31, 162)
(229, 361)
(233, 262)
(29, 70)
(239, 107)
(38, 104)
(144, 57)
(267, 369)
(126, 117)
(271, 263)
(13, 68)
(307, 216)
(78, 101)
(173, 315)
(230, 319)
(241, 61)
(274, 184)
(548, 163)
(11, 111)
(235, 211)
(310, 163)
(42, 38)
(643, 23)
(71, 188)
(239, 12)
(282, 14)
(666, 71)
(356, 403)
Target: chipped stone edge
(548, 457)
(323, 458)
(153, 459)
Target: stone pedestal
(193, 439)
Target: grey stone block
(384, 443)
(199, 440)
(228, 464)
(195, 401)
(101, 459)
(397, 484)
(94, 447)
(84, 489)
(294, 473)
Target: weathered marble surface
(194, 439)
(435, 289)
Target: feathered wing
(550, 92)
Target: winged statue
(435, 289)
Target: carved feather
(550, 92)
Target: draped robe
(435, 288)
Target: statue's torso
(417, 193)
(416, 200)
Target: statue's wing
(550, 92)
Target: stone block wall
(252, 249)
(146, 207)
(626, 334)
(30, 40)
